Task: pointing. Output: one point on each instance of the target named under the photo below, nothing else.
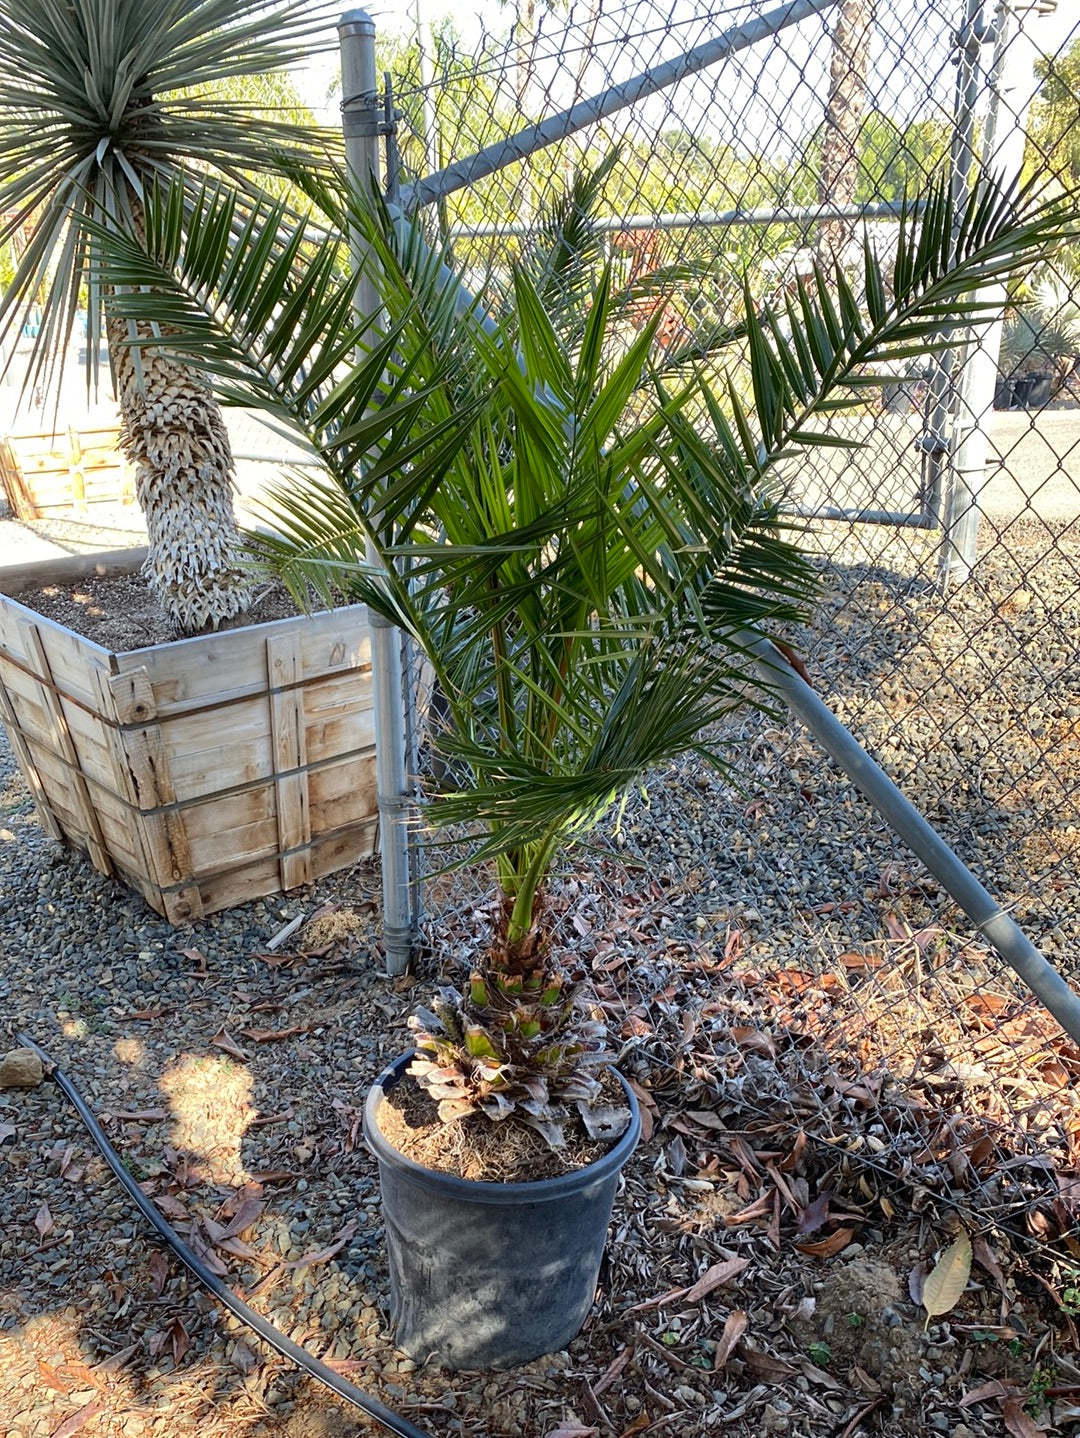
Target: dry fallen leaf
(1018, 1423)
(248, 1211)
(68, 1167)
(171, 1207)
(77, 1420)
(827, 1247)
(159, 1273)
(749, 1038)
(571, 1430)
(198, 958)
(322, 1255)
(271, 1036)
(705, 1118)
(278, 961)
(116, 1361)
(734, 1329)
(614, 1368)
(243, 1357)
(222, 1040)
(768, 1368)
(915, 1280)
(946, 1281)
(43, 1221)
(180, 1341)
(984, 1256)
(987, 1393)
(716, 1277)
(51, 1378)
(647, 1108)
(815, 1214)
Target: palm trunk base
(174, 434)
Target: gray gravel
(790, 871)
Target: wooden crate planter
(206, 771)
(58, 476)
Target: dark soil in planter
(476, 1148)
(120, 613)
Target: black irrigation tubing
(255, 1321)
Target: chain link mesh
(772, 933)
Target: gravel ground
(836, 1080)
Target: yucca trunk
(173, 432)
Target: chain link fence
(773, 941)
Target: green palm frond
(583, 571)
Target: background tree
(1054, 140)
(848, 68)
(98, 102)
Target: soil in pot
(476, 1148)
(119, 612)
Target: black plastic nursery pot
(489, 1275)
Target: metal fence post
(935, 439)
(360, 119)
(1011, 88)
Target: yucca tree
(98, 99)
(583, 569)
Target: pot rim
(541, 1190)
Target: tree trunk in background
(173, 432)
(848, 69)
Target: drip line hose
(255, 1321)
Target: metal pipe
(706, 219)
(360, 121)
(589, 112)
(1004, 142)
(1002, 932)
(969, 40)
(900, 518)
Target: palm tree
(97, 100)
(583, 551)
(849, 62)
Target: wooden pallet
(61, 475)
(202, 772)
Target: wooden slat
(288, 751)
(63, 746)
(190, 674)
(215, 752)
(49, 821)
(71, 658)
(47, 474)
(78, 475)
(133, 696)
(342, 793)
(345, 846)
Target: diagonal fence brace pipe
(589, 112)
(1002, 932)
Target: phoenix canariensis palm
(98, 99)
(581, 555)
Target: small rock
(21, 1068)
